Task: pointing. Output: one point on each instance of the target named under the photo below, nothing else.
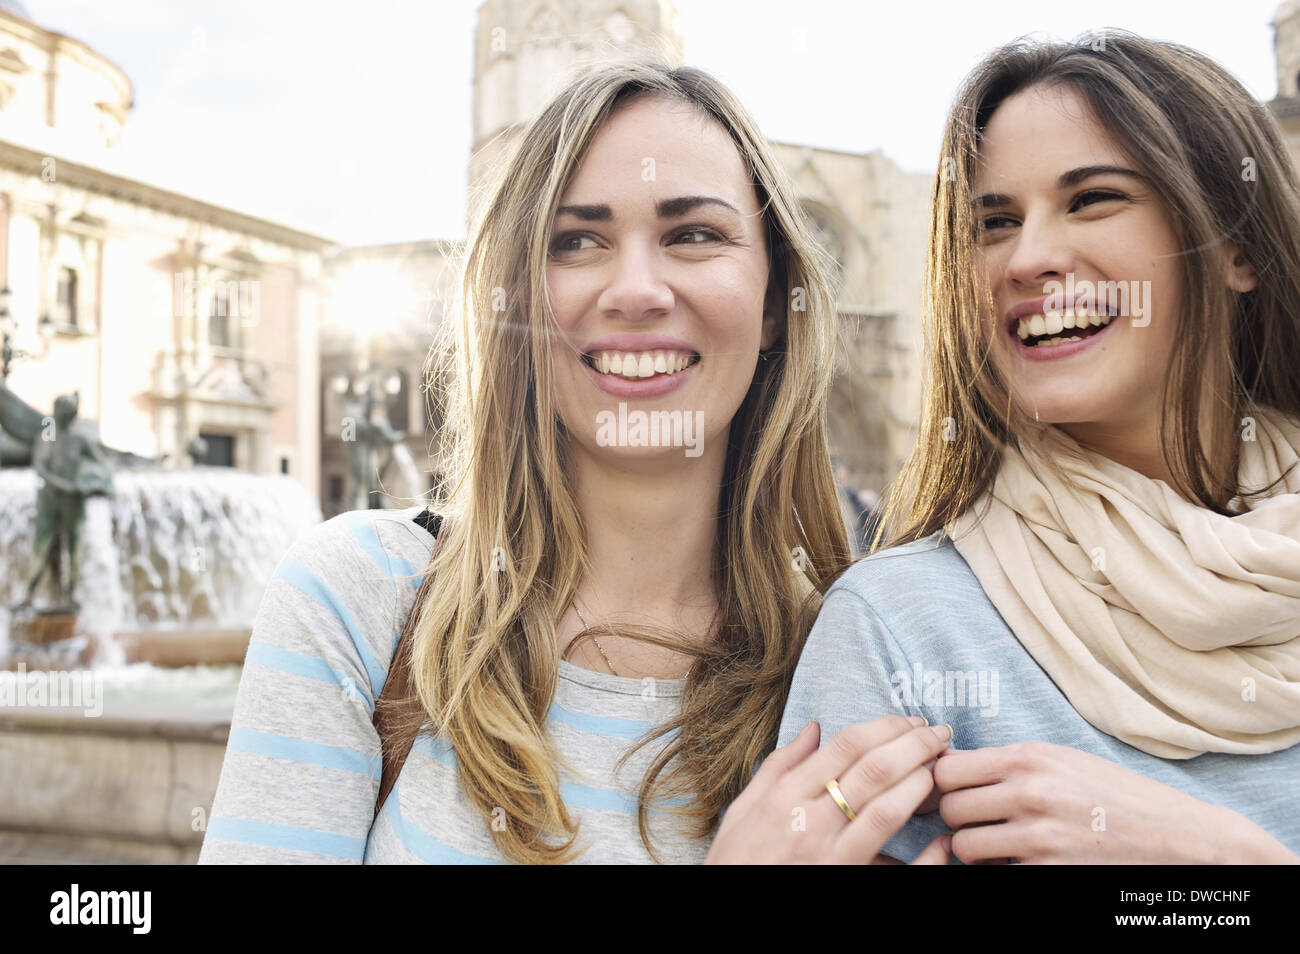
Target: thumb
(937, 852)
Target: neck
(1136, 444)
(650, 533)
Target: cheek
(565, 292)
(731, 300)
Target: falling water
(170, 550)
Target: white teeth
(643, 365)
(1039, 326)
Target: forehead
(1038, 133)
(656, 147)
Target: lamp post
(9, 328)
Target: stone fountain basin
(132, 785)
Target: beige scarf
(1166, 625)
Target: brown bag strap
(395, 749)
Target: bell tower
(525, 50)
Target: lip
(1056, 352)
(638, 343)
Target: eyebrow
(665, 208)
(1067, 179)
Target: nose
(637, 289)
(1041, 253)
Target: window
(219, 318)
(67, 297)
(335, 491)
(221, 450)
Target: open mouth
(634, 365)
(1047, 330)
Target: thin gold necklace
(604, 655)
(587, 626)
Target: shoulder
(930, 565)
(337, 596)
(359, 544)
(918, 597)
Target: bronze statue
(366, 430)
(71, 465)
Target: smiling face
(1074, 244)
(657, 273)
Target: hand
(786, 815)
(1054, 804)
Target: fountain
(118, 669)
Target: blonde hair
(484, 659)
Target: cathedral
(870, 215)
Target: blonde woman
(1096, 569)
(640, 515)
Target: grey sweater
(302, 766)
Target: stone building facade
(175, 318)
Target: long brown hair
(1216, 158)
(484, 655)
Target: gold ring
(834, 788)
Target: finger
(992, 844)
(971, 806)
(937, 852)
(837, 755)
(887, 764)
(931, 803)
(878, 820)
(969, 768)
(788, 756)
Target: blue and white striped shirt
(302, 766)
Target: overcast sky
(352, 120)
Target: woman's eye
(1093, 196)
(994, 222)
(571, 242)
(696, 236)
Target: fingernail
(917, 721)
(944, 731)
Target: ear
(1240, 275)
